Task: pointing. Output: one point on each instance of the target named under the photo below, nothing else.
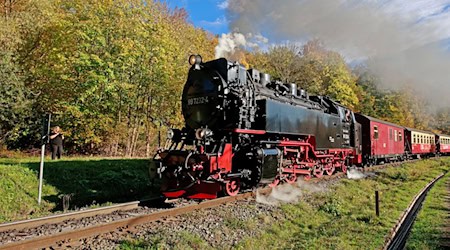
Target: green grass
(87, 180)
(19, 192)
(427, 231)
(341, 218)
(345, 218)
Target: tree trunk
(135, 137)
(129, 134)
(148, 122)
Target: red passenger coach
(443, 144)
(381, 141)
(419, 142)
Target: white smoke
(287, 193)
(402, 48)
(228, 43)
(231, 43)
(355, 174)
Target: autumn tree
(311, 67)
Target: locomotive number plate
(198, 100)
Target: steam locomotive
(243, 128)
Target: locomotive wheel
(291, 179)
(330, 171)
(232, 187)
(275, 182)
(307, 177)
(318, 171)
(344, 168)
(254, 178)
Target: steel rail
(58, 218)
(73, 235)
(399, 234)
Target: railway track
(67, 237)
(399, 234)
(53, 219)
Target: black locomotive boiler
(242, 127)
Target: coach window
(375, 132)
(395, 135)
(390, 134)
(399, 136)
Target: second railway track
(399, 235)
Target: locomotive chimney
(265, 79)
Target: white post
(41, 172)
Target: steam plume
(232, 43)
(401, 49)
(288, 193)
(355, 174)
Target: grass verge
(345, 218)
(87, 181)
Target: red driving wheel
(232, 187)
(330, 170)
(275, 182)
(318, 171)
(292, 178)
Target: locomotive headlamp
(174, 134)
(170, 134)
(202, 133)
(195, 59)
